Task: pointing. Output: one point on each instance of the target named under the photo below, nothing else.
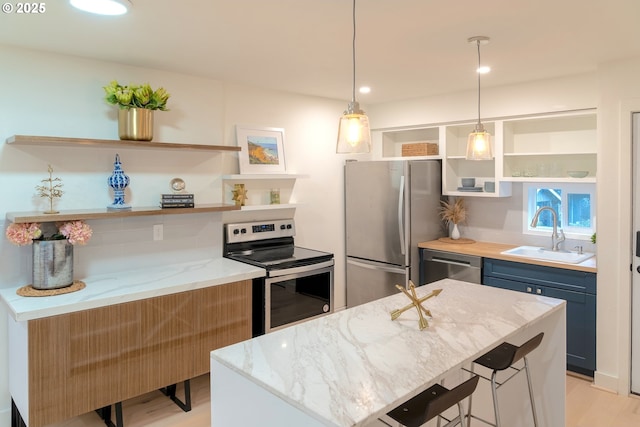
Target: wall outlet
(158, 232)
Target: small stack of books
(177, 200)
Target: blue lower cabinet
(578, 288)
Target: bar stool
(501, 358)
(433, 402)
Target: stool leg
(460, 414)
(494, 391)
(469, 412)
(533, 404)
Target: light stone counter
(351, 367)
(132, 285)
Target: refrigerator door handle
(400, 216)
(376, 266)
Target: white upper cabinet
(554, 148)
(559, 147)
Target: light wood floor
(587, 406)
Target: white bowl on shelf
(577, 174)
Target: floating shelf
(240, 177)
(70, 215)
(586, 180)
(79, 142)
(269, 207)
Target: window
(574, 203)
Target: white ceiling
(405, 48)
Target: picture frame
(262, 150)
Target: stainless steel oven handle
(302, 269)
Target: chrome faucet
(555, 238)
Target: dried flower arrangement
(454, 213)
(51, 190)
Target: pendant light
(354, 135)
(479, 143)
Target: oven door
(297, 294)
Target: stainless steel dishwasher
(438, 265)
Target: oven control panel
(251, 231)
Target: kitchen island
(351, 367)
(123, 335)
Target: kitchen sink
(543, 254)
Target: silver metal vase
(52, 264)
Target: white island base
(351, 367)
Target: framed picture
(262, 150)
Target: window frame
(529, 208)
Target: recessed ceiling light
(102, 7)
(365, 89)
(484, 69)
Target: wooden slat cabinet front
(82, 361)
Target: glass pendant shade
(354, 135)
(479, 145)
(479, 142)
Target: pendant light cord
(353, 53)
(478, 71)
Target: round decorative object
(30, 291)
(178, 185)
(52, 264)
(577, 174)
(118, 181)
(455, 233)
(460, 241)
(135, 124)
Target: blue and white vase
(118, 181)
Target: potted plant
(136, 105)
(453, 213)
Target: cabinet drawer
(570, 280)
(506, 284)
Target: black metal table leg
(16, 418)
(170, 391)
(105, 414)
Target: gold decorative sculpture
(51, 190)
(239, 194)
(417, 303)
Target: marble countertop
(125, 286)
(346, 368)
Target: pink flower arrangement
(76, 232)
(23, 234)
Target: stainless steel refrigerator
(390, 207)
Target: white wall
(619, 96)
(55, 95)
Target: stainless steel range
(299, 282)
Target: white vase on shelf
(455, 233)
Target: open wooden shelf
(263, 176)
(59, 141)
(70, 215)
